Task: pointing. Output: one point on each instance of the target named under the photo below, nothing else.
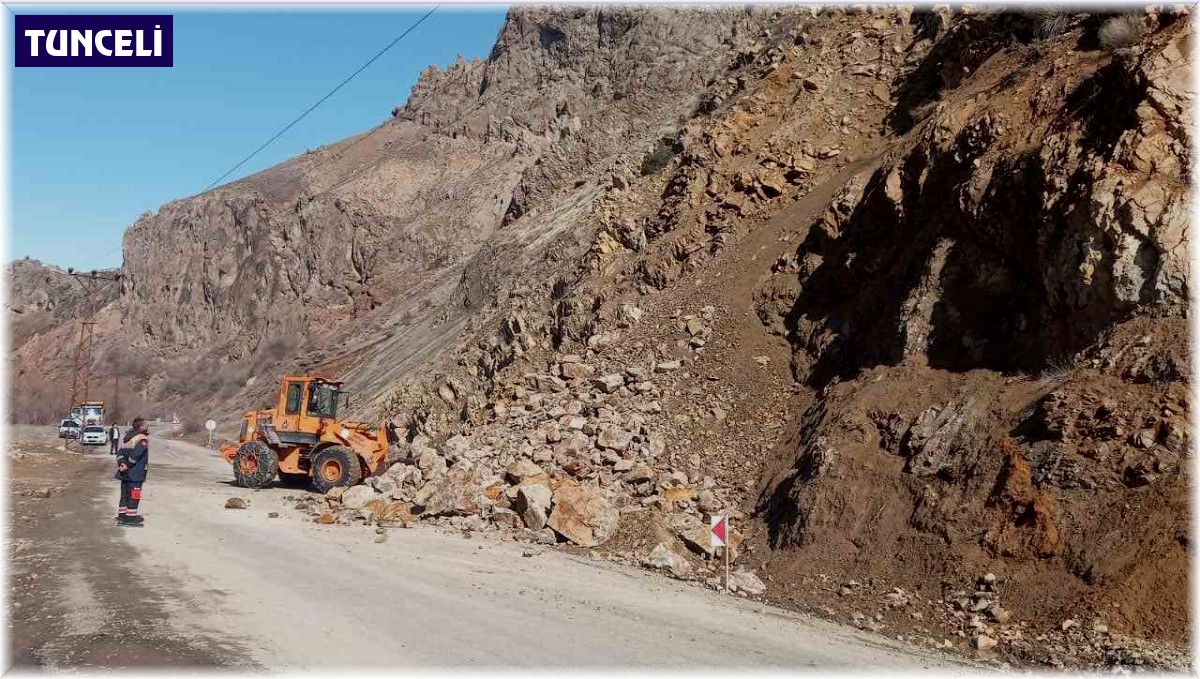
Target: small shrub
(1059, 370)
(1051, 23)
(1122, 31)
(660, 156)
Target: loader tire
(335, 466)
(255, 465)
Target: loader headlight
(345, 433)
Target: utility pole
(116, 411)
(81, 372)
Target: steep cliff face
(1024, 224)
(582, 83)
(224, 271)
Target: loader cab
(305, 401)
(324, 399)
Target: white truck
(88, 412)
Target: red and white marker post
(718, 535)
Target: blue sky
(93, 148)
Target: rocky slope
(44, 302)
(905, 293)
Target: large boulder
(420, 445)
(935, 437)
(524, 472)
(384, 485)
(746, 581)
(613, 438)
(533, 504)
(576, 444)
(506, 518)
(427, 457)
(459, 447)
(694, 532)
(667, 559)
(583, 516)
(405, 475)
(457, 493)
(356, 497)
(577, 371)
(668, 366)
(609, 383)
(639, 474)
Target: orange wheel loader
(302, 438)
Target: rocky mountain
(42, 296)
(904, 292)
(45, 301)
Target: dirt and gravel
(79, 596)
(264, 588)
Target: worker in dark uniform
(132, 460)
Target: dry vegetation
(1122, 31)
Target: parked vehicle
(93, 436)
(91, 412)
(68, 429)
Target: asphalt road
(205, 585)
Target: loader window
(295, 389)
(323, 400)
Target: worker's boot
(132, 521)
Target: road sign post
(211, 426)
(718, 536)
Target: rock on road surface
(235, 587)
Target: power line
(328, 94)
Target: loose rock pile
(552, 455)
